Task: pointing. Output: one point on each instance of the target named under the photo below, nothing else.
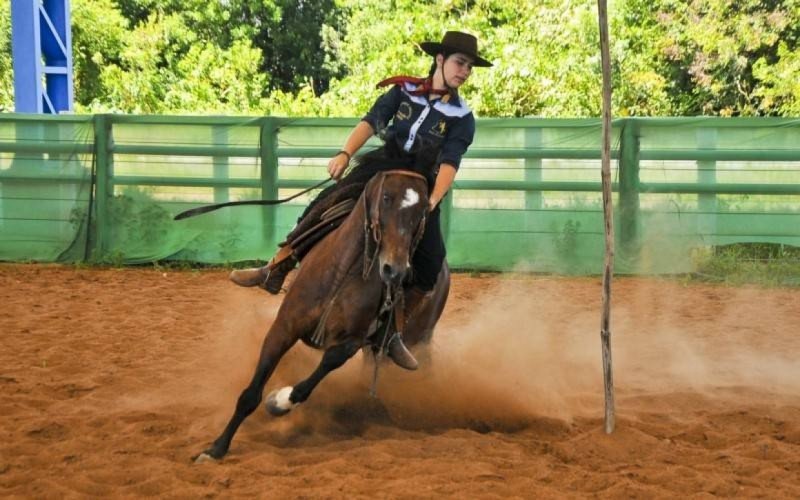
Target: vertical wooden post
(608, 268)
(220, 164)
(269, 178)
(628, 208)
(707, 175)
(533, 170)
(104, 188)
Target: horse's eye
(387, 199)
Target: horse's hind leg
(275, 346)
(281, 401)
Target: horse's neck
(353, 224)
(347, 243)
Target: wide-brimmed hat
(456, 41)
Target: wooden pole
(608, 268)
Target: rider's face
(457, 68)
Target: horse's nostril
(392, 273)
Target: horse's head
(397, 203)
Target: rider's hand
(338, 164)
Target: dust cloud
(515, 352)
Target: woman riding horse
(348, 295)
(418, 110)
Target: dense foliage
(322, 57)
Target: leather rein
(393, 303)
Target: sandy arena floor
(111, 380)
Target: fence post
(629, 190)
(707, 175)
(220, 164)
(104, 189)
(533, 169)
(269, 176)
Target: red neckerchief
(424, 85)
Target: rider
(426, 108)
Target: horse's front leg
(275, 345)
(281, 401)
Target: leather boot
(399, 353)
(249, 277)
(269, 277)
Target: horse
(349, 280)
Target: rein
(210, 208)
(393, 305)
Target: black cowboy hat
(456, 41)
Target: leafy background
(322, 57)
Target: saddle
(303, 240)
(320, 221)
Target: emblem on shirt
(403, 112)
(439, 129)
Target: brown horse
(344, 285)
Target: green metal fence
(527, 197)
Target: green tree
(544, 65)
(6, 65)
(323, 57)
(98, 36)
(707, 51)
(217, 80)
(670, 57)
(164, 68)
(289, 33)
(779, 84)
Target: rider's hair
(446, 54)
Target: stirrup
(399, 353)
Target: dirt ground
(111, 380)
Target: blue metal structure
(42, 53)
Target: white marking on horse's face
(411, 198)
(282, 398)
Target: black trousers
(430, 253)
(429, 256)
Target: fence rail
(527, 193)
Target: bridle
(392, 306)
(372, 226)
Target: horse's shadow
(348, 410)
(371, 419)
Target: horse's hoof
(278, 402)
(204, 458)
